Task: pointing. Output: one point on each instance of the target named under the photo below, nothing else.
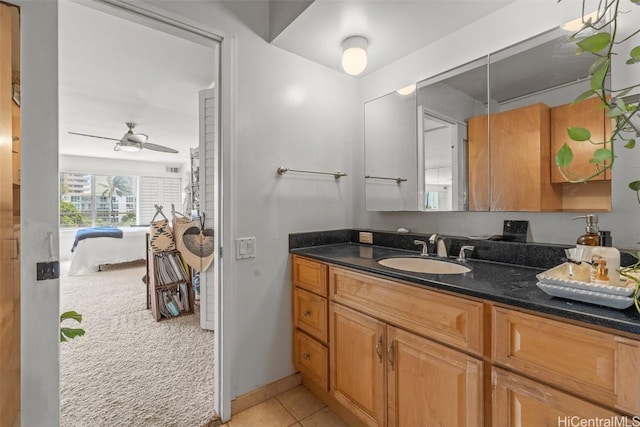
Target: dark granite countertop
(508, 284)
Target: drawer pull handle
(390, 354)
(306, 313)
(379, 348)
(306, 356)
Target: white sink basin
(424, 265)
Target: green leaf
(597, 79)
(594, 43)
(70, 333)
(71, 315)
(564, 156)
(579, 134)
(635, 53)
(635, 185)
(585, 95)
(615, 112)
(630, 143)
(597, 64)
(602, 155)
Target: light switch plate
(245, 247)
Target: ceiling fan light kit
(132, 141)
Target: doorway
(80, 159)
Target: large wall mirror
(486, 134)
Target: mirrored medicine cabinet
(483, 136)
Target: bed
(92, 252)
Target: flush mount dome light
(354, 55)
(407, 90)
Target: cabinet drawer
(310, 275)
(310, 314)
(452, 320)
(593, 364)
(311, 359)
(518, 401)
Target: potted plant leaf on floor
(599, 36)
(70, 333)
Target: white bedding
(89, 254)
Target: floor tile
(323, 418)
(300, 402)
(267, 414)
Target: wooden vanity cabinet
(389, 375)
(591, 364)
(519, 401)
(310, 320)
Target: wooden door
(430, 384)
(586, 114)
(518, 401)
(520, 161)
(357, 363)
(9, 292)
(478, 133)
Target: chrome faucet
(425, 252)
(441, 248)
(461, 256)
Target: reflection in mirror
(390, 153)
(532, 88)
(445, 103)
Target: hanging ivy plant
(599, 37)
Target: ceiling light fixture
(354, 55)
(407, 90)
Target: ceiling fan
(132, 141)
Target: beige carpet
(129, 370)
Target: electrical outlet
(365, 237)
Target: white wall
(290, 112)
(39, 300)
(518, 21)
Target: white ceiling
(113, 71)
(394, 28)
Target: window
(88, 200)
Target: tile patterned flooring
(296, 407)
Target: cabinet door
(520, 161)
(430, 384)
(518, 401)
(357, 363)
(586, 114)
(478, 130)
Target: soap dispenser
(590, 238)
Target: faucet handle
(461, 255)
(424, 246)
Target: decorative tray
(559, 276)
(607, 300)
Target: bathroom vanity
(387, 347)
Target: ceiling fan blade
(157, 147)
(94, 136)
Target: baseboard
(263, 393)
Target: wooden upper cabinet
(597, 365)
(309, 275)
(520, 161)
(478, 149)
(430, 384)
(586, 114)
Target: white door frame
(171, 23)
